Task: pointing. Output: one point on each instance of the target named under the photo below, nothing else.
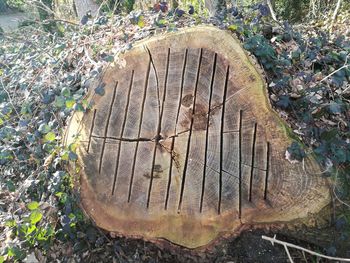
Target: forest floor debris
(44, 77)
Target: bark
(215, 6)
(65, 9)
(84, 6)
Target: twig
(63, 21)
(272, 12)
(289, 256)
(286, 244)
(342, 67)
(88, 57)
(10, 99)
(335, 194)
(336, 10)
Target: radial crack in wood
(185, 146)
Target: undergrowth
(44, 78)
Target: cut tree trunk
(73, 9)
(65, 9)
(147, 4)
(184, 145)
(84, 6)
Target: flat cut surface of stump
(184, 145)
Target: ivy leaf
(65, 92)
(335, 108)
(296, 152)
(79, 107)
(70, 103)
(232, 27)
(179, 12)
(264, 10)
(72, 156)
(283, 102)
(49, 137)
(33, 205)
(59, 101)
(108, 58)
(10, 223)
(44, 128)
(100, 89)
(141, 22)
(10, 186)
(35, 217)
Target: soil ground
(249, 247)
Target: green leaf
(35, 217)
(59, 101)
(10, 186)
(65, 92)
(2, 259)
(141, 22)
(65, 156)
(49, 137)
(79, 107)
(100, 90)
(30, 229)
(232, 27)
(72, 156)
(296, 152)
(335, 108)
(10, 223)
(70, 103)
(33, 205)
(44, 128)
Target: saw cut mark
(175, 130)
(106, 127)
(141, 139)
(252, 164)
(240, 165)
(122, 133)
(222, 138)
(190, 133)
(156, 75)
(158, 136)
(91, 129)
(267, 169)
(207, 133)
(139, 128)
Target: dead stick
(286, 244)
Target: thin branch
(289, 256)
(336, 10)
(334, 192)
(273, 15)
(286, 244)
(342, 67)
(63, 21)
(10, 99)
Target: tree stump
(75, 9)
(184, 145)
